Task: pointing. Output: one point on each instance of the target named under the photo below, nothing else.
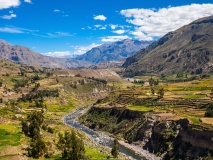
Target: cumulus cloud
(114, 38)
(9, 3)
(79, 50)
(151, 23)
(100, 17)
(113, 26)
(121, 31)
(58, 54)
(27, 1)
(8, 16)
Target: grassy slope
(182, 99)
(69, 99)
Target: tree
(160, 93)
(71, 146)
(209, 111)
(115, 149)
(31, 126)
(37, 148)
(152, 90)
(25, 127)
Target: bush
(209, 112)
(50, 130)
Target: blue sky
(64, 27)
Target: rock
(17, 116)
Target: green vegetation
(209, 112)
(141, 108)
(71, 146)
(195, 96)
(9, 135)
(115, 148)
(30, 91)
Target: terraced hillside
(165, 118)
(27, 89)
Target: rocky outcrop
(170, 139)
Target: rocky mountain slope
(186, 50)
(113, 52)
(24, 55)
(170, 139)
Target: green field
(9, 135)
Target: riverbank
(131, 151)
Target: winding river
(103, 139)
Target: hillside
(113, 52)
(21, 89)
(187, 50)
(24, 55)
(171, 120)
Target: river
(103, 139)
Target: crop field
(182, 99)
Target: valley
(161, 115)
(165, 125)
(145, 93)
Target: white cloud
(56, 10)
(114, 38)
(100, 17)
(8, 16)
(97, 25)
(79, 50)
(150, 23)
(10, 30)
(121, 31)
(13, 29)
(58, 54)
(9, 3)
(59, 34)
(113, 26)
(103, 28)
(27, 1)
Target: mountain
(114, 51)
(24, 55)
(186, 50)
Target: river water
(95, 136)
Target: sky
(72, 27)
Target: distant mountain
(114, 51)
(24, 55)
(186, 50)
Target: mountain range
(114, 51)
(106, 52)
(188, 50)
(24, 55)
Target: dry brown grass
(207, 120)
